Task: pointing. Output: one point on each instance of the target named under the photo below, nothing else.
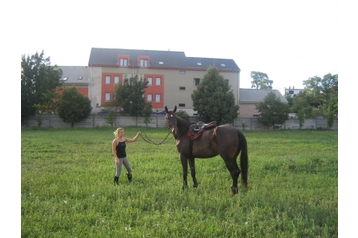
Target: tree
(330, 109)
(322, 93)
(147, 112)
(130, 96)
(213, 99)
(260, 80)
(301, 106)
(183, 114)
(73, 107)
(39, 81)
(302, 103)
(272, 110)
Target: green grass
(67, 187)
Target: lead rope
(146, 139)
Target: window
(196, 81)
(107, 97)
(149, 97)
(116, 79)
(107, 79)
(182, 72)
(199, 63)
(290, 92)
(157, 81)
(181, 88)
(143, 60)
(143, 63)
(123, 62)
(150, 80)
(157, 97)
(181, 105)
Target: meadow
(67, 187)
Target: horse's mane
(182, 125)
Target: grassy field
(67, 187)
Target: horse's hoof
(234, 190)
(195, 185)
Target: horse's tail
(244, 163)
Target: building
(172, 76)
(292, 91)
(76, 76)
(249, 98)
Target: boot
(116, 180)
(129, 177)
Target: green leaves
(38, 83)
(272, 110)
(260, 80)
(130, 95)
(213, 98)
(73, 106)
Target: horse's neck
(183, 125)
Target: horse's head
(171, 119)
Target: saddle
(195, 130)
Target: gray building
(249, 98)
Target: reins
(146, 139)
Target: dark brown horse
(224, 140)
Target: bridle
(146, 139)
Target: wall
(248, 110)
(158, 120)
(172, 81)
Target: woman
(120, 155)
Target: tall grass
(67, 187)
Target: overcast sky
(290, 41)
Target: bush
(183, 114)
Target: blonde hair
(117, 131)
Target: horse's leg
(234, 170)
(192, 170)
(184, 163)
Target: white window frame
(150, 80)
(157, 97)
(107, 79)
(107, 97)
(158, 81)
(116, 79)
(123, 62)
(149, 97)
(143, 63)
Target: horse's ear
(166, 109)
(175, 108)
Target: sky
(290, 41)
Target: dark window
(181, 104)
(181, 88)
(196, 81)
